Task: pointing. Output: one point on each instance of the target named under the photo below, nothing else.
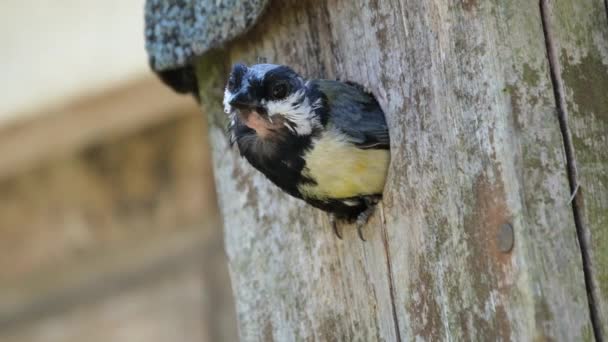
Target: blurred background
(109, 229)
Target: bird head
(269, 97)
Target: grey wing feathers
(356, 113)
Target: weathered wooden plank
(89, 293)
(476, 144)
(76, 283)
(64, 128)
(292, 279)
(579, 34)
(111, 193)
(106, 219)
(165, 307)
(482, 148)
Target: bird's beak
(244, 100)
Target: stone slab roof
(178, 30)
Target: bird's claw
(334, 224)
(364, 216)
(362, 220)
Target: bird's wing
(356, 113)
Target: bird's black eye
(279, 90)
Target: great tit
(322, 141)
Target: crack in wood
(391, 286)
(606, 7)
(582, 232)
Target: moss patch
(211, 73)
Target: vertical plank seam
(391, 287)
(582, 231)
(606, 7)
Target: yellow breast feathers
(342, 170)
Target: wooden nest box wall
(495, 211)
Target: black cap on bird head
(251, 87)
(272, 92)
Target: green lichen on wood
(530, 75)
(580, 28)
(587, 82)
(452, 186)
(211, 73)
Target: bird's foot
(334, 224)
(363, 217)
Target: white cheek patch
(231, 114)
(227, 97)
(302, 114)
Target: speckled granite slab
(178, 30)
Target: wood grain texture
(476, 143)
(579, 32)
